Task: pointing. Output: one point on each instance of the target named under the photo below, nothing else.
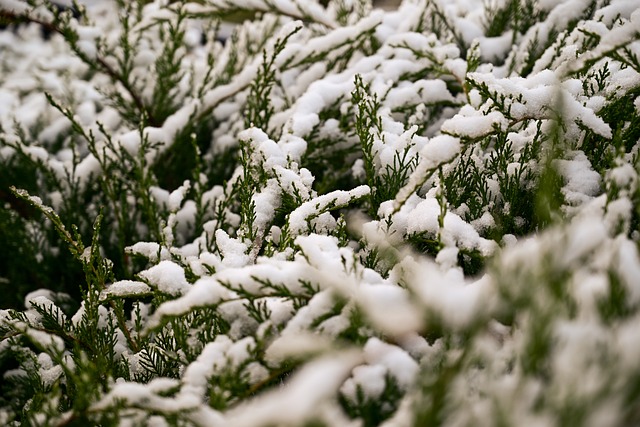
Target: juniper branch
(100, 63)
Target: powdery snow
(581, 182)
(370, 380)
(168, 277)
(473, 124)
(449, 298)
(204, 292)
(435, 153)
(539, 95)
(300, 400)
(300, 217)
(126, 288)
(149, 250)
(397, 362)
(302, 269)
(149, 396)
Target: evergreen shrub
(300, 213)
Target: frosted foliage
(425, 218)
(370, 379)
(536, 97)
(205, 291)
(299, 218)
(300, 399)
(168, 277)
(127, 287)
(300, 212)
(437, 152)
(473, 124)
(149, 250)
(582, 182)
(233, 251)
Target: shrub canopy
(301, 213)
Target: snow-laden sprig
(517, 99)
(97, 269)
(493, 279)
(436, 153)
(296, 9)
(620, 43)
(560, 17)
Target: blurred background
(386, 4)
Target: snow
(177, 196)
(617, 9)
(624, 176)
(336, 325)
(473, 124)
(45, 340)
(370, 379)
(422, 91)
(49, 373)
(628, 266)
(240, 351)
(589, 289)
(185, 219)
(252, 278)
(292, 8)
(88, 48)
(298, 219)
(617, 37)
(168, 277)
(492, 48)
(211, 359)
(78, 315)
(265, 204)
(586, 235)
(299, 401)
(389, 308)
(581, 182)
(126, 288)
(447, 258)
(204, 292)
(87, 168)
(148, 396)
(53, 131)
(317, 97)
(438, 151)
(39, 295)
(397, 362)
(540, 94)
(149, 250)
(15, 6)
(321, 303)
(321, 286)
(446, 296)
(36, 153)
(45, 302)
(234, 252)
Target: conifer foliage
(301, 213)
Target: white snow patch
(396, 361)
(582, 183)
(206, 291)
(168, 277)
(298, 219)
(303, 396)
(126, 288)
